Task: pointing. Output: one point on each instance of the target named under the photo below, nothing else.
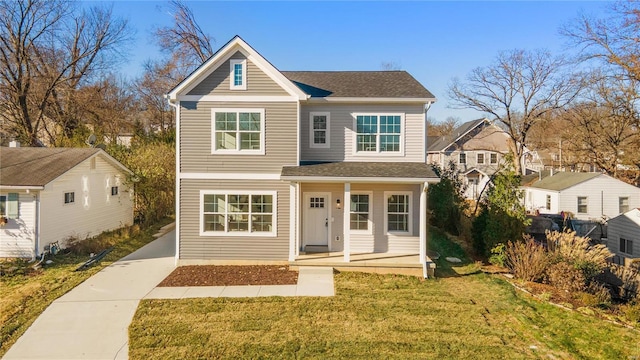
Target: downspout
(177, 194)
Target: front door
(316, 219)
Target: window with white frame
(480, 158)
(582, 205)
(69, 197)
(319, 129)
(398, 212)
(462, 158)
(626, 246)
(378, 133)
(493, 158)
(548, 203)
(9, 205)
(238, 76)
(359, 210)
(238, 131)
(238, 213)
(623, 204)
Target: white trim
(178, 187)
(292, 221)
(484, 156)
(460, 153)
(20, 187)
(346, 219)
(369, 100)
(465, 133)
(423, 223)
(377, 153)
(232, 75)
(298, 220)
(327, 131)
(369, 230)
(228, 176)
(274, 215)
(237, 98)
(64, 198)
(360, 179)
(238, 151)
(410, 214)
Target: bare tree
(518, 89)
(443, 128)
(48, 50)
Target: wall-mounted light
(338, 205)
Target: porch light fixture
(338, 205)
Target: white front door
(316, 219)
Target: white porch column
(298, 217)
(293, 219)
(346, 209)
(423, 222)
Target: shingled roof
(362, 84)
(443, 142)
(373, 170)
(563, 180)
(30, 166)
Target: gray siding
(342, 132)
(196, 247)
(218, 82)
(623, 227)
(195, 139)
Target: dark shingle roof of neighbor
(362, 170)
(563, 180)
(378, 84)
(444, 141)
(30, 166)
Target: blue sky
(434, 41)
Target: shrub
(565, 277)
(498, 255)
(601, 294)
(576, 250)
(526, 259)
(631, 312)
(446, 199)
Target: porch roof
(402, 172)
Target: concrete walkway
(92, 320)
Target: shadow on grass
(440, 243)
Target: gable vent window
(238, 76)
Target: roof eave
(344, 99)
(343, 179)
(21, 187)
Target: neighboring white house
(587, 196)
(624, 237)
(50, 194)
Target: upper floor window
(462, 158)
(623, 204)
(319, 129)
(480, 158)
(114, 190)
(494, 158)
(239, 131)
(378, 133)
(238, 74)
(69, 197)
(582, 205)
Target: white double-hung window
(239, 131)
(398, 212)
(319, 129)
(379, 134)
(237, 213)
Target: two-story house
(272, 164)
(478, 148)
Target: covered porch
(358, 216)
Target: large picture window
(238, 131)
(378, 133)
(398, 212)
(238, 213)
(360, 212)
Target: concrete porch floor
(381, 263)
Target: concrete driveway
(92, 320)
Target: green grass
(24, 296)
(439, 242)
(377, 316)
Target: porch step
(310, 249)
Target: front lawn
(378, 316)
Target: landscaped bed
(228, 275)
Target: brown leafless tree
(518, 89)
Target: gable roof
(359, 84)
(223, 54)
(36, 167)
(632, 215)
(563, 180)
(445, 141)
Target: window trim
(409, 214)
(274, 214)
(354, 140)
(548, 202)
(491, 162)
(460, 155)
(369, 230)
(478, 158)
(117, 190)
(327, 131)
(232, 75)
(620, 198)
(64, 198)
(9, 212)
(626, 243)
(586, 198)
(238, 151)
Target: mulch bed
(228, 275)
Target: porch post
(298, 217)
(346, 222)
(423, 223)
(293, 216)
